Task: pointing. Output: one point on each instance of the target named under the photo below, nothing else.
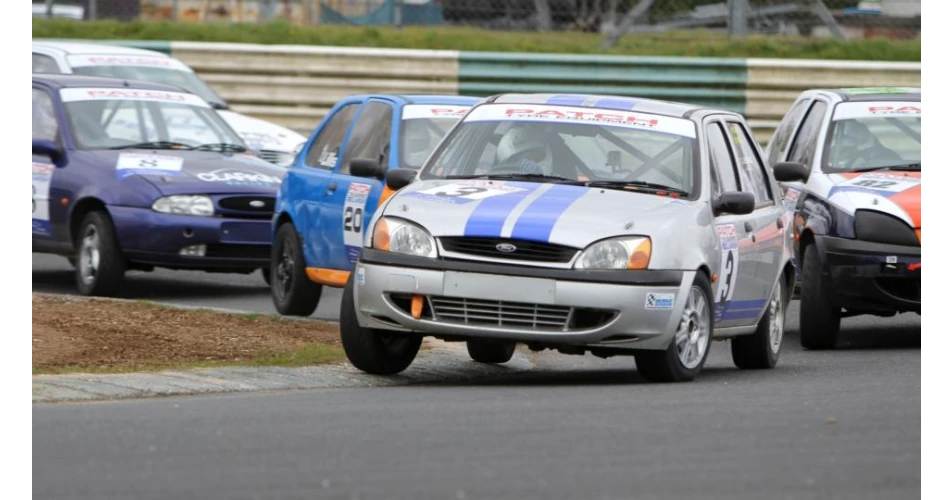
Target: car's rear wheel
(100, 265)
(490, 351)
(819, 317)
(684, 358)
(378, 352)
(761, 350)
(293, 293)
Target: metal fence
(612, 18)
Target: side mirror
(789, 171)
(46, 147)
(400, 177)
(363, 167)
(735, 203)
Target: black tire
(378, 352)
(292, 292)
(666, 365)
(490, 351)
(819, 318)
(100, 264)
(761, 350)
(266, 275)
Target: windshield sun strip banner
(874, 109)
(127, 94)
(80, 60)
(414, 111)
(592, 116)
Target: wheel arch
(79, 211)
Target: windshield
(150, 69)
(423, 127)
(580, 144)
(102, 118)
(872, 135)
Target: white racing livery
(857, 218)
(274, 143)
(600, 224)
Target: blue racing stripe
(738, 309)
(619, 104)
(566, 100)
(539, 218)
(490, 215)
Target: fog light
(193, 251)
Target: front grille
(276, 157)
(252, 207)
(524, 250)
(238, 251)
(498, 313)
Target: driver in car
(858, 147)
(525, 146)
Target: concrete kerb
(438, 362)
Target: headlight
(616, 253)
(185, 205)
(875, 226)
(400, 236)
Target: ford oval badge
(506, 247)
(257, 204)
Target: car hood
(894, 192)
(195, 172)
(262, 135)
(555, 213)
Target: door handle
(780, 223)
(748, 227)
(331, 187)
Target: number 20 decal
(353, 219)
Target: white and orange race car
(857, 219)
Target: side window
(753, 179)
(44, 118)
(370, 138)
(44, 64)
(805, 143)
(326, 146)
(785, 130)
(721, 158)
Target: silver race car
(581, 223)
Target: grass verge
(687, 43)
(82, 335)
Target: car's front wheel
(378, 352)
(819, 317)
(490, 351)
(684, 358)
(761, 350)
(100, 265)
(293, 293)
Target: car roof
(421, 99)
(63, 81)
(619, 103)
(72, 48)
(866, 94)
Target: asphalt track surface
(842, 424)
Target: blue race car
(120, 184)
(334, 185)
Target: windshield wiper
(517, 176)
(154, 145)
(221, 146)
(651, 186)
(904, 167)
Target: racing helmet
(525, 144)
(856, 135)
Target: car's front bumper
(547, 306)
(149, 237)
(870, 276)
